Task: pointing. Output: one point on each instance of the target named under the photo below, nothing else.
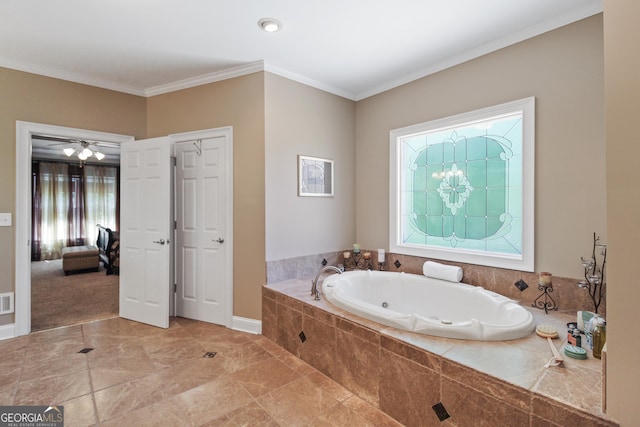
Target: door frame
(24, 133)
(227, 132)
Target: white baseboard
(7, 331)
(245, 324)
(242, 324)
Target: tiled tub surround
(405, 374)
(566, 293)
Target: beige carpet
(59, 300)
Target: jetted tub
(428, 306)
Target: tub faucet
(315, 292)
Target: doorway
(75, 196)
(24, 133)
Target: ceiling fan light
(69, 151)
(98, 155)
(87, 153)
(82, 156)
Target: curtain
(36, 217)
(68, 203)
(100, 197)
(53, 210)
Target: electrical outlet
(5, 219)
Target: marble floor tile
(301, 401)
(265, 376)
(113, 401)
(241, 356)
(115, 364)
(186, 376)
(167, 352)
(63, 345)
(14, 345)
(41, 367)
(163, 413)
(340, 415)
(136, 374)
(369, 413)
(248, 415)
(51, 391)
(107, 377)
(213, 400)
(53, 336)
(80, 411)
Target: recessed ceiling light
(270, 25)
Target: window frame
(523, 261)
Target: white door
(202, 241)
(145, 254)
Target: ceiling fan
(83, 149)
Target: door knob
(220, 240)
(160, 242)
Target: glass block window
(463, 187)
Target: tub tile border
(496, 394)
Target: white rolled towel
(442, 271)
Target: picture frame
(315, 176)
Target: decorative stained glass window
(464, 187)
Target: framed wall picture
(315, 177)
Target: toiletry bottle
(599, 337)
(589, 327)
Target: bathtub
(428, 306)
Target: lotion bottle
(599, 337)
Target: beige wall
(622, 105)
(32, 98)
(237, 102)
(563, 70)
(307, 121)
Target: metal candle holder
(357, 261)
(545, 301)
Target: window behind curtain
(68, 203)
(101, 190)
(57, 209)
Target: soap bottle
(599, 337)
(589, 327)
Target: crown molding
(229, 73)
(526, 33)
(309, 82)
(68, 76)
(588, 10)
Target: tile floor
(138, 375)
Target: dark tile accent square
(86, 350)
(210, 354)
(440, 411)
(324, 262)
(397, 264)
(302, 336)
(521, 284)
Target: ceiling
(352, 48)
(45, 147)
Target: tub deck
(505, 380)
